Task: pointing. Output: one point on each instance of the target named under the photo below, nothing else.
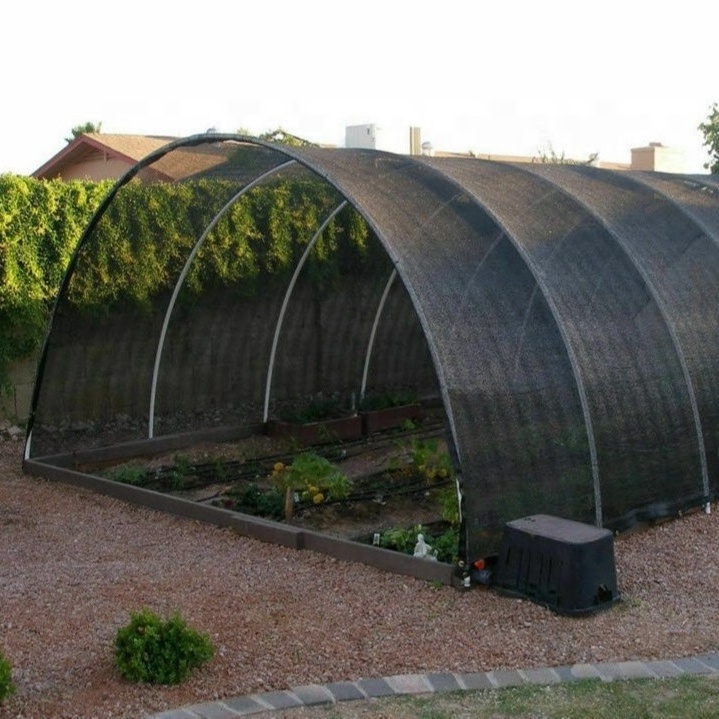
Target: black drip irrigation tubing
(236, 470)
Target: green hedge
(40, 224)
(139, 246)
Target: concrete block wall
(15, 405)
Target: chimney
(415, 141)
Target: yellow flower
(279, 466)
(318, 498)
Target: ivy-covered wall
(131, 259)
(40, 224)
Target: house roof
(131, 149)
(127, 148)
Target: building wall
(15, 404)
(657, 158)
(362, 136)
(95, 169)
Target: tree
(279, 136)
(710, 129)
(83, 130)
(551, 157)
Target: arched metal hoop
(285, 303)
(181, 281)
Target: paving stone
(624, 670)
(585, 671)
(375, 687)
(565, 674)
(279, 700)
(213, 710)
(711, 660)
(506, 678)
(409, 684)
(478, 680)
(315, 694)
(311, 694)
(444, 682)
(692, 666)
(245, 705)
(345, 691)
(543, 675)
(664, 669)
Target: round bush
(152, 650)
(6, 684)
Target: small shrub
(446, 545)
(374, 402)
(429, 462)
(220, 470)
(314, 476)
(132, 474)
(318, 409)
(269, 503)
(151, 650)
(401, 539)
(7, 687)
(176, 479)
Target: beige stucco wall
(95, 169)
(658, 158)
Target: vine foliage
(138, 248)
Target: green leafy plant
(449, 503)
(150, 649)
(372, 402)
(219, 469)
(710, 130)
(446, 545)
(7, 687)
(252, 499)
(422, 458)
(131, 474)
(177, 478)
(318, 409)
(429, 462)
(315, 477)
(404, 539)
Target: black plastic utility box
(567, 566)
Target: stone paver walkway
(316, 694)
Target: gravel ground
(74, 565)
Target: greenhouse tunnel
(562, 316)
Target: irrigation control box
(566, 565)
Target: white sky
(503, 77)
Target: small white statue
(423, 550)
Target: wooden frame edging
(249, 526)
(99, 456)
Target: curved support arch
(72, 264)
(181, 281)
(578, 196)
(285, 303)
(541, 287)
(373, 332)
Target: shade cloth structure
(565, 315)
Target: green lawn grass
(686, 697)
